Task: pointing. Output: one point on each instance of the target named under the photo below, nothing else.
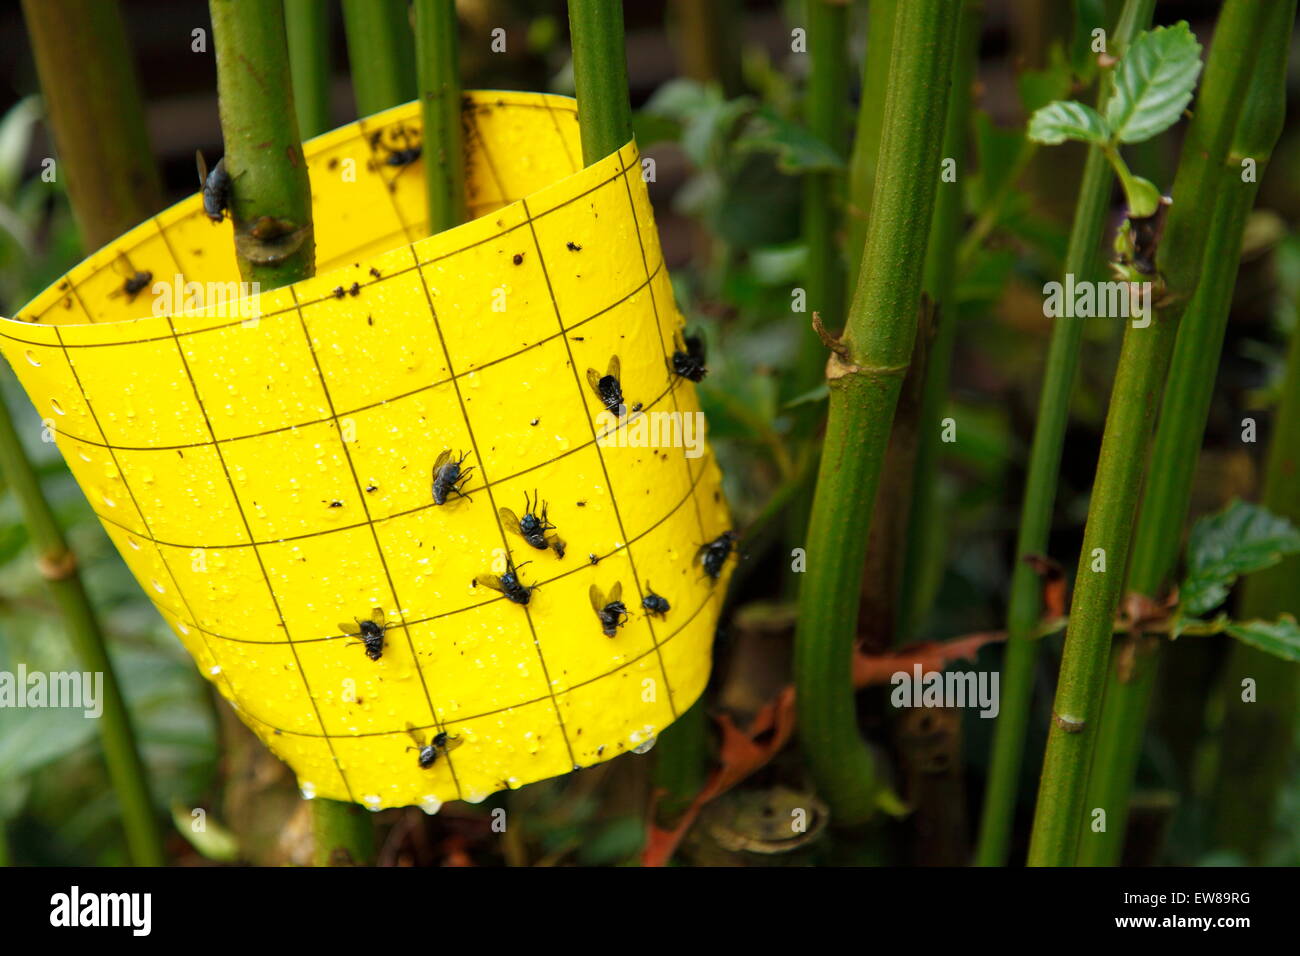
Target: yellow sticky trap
(264, 463)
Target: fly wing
(614, 367)
(597, 598)
(451, 744)
(489, 581)
(377, 616)
(351, 630)
(593, 379)
(509, 520)
(414, 734)
(442, 460)
(202, 164)
(616, 592)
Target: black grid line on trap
(654, 305)
(370, 406)
(471, 103)
(541, 657)
(162, 559)
(237, 545)
(198, 213)
(714, 594)
(582, 397)
(413, 622)
(243, 517)
(379, 547)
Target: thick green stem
(938, 282)
(380, 53)
(438, 59)
(825, 116)
(265, 162)
(680, 760)
(865, 375)
(707, 49)
(344, 834)
(1256, 745)
(1183, 416)
(93, 102)
(1139, 382)
(58, 564)
(307, 25)
(271, 198)
(1083, 261)
(600, 77)
(871, 117)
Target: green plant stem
(825, 116)
(600, 77)
(438, 61)
(380, 53)
(680, 758)
(938, 281)
(344, 834)
(263, 150)
(307, 26)
(707, 50)
(865, 377)
(1257, 736)
(58, 565)
(1083, 261)
(871, 117)
(264, 159)
(1139, 382)
(92, 98)
(1183, 415)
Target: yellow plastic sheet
(264, 464)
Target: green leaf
(1239, 539)
(1153, 83)
(796, 149)
(1066, 119)
(1040, 87)
(1281, 638)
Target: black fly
(216, 187)
(508, 584)
(612, 612)
(688, 361)
(134, 282)
(371, 633)
(713, 554)
(655, 603)
(429, 752)
(533, 526)
(607, 387)
(448, 476)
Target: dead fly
(713, 554)
(448, 476)
(688, 361)
(612, 612)
(398, 157)
(134, 282)
(654, 603)
(508, 584)
(533, 526)
(429, 752)
(607, 387)
(216, 187)
(371, 633)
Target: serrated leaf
(1237, 540)
(1281, 638)
(1153, 83)
(1065, 119)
